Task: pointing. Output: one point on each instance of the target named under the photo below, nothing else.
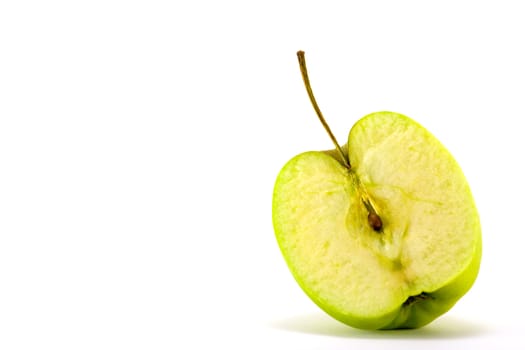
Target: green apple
(382, 233)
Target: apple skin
(416, 311)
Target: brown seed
(375, 222)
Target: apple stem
(304, 73)
(374, 220)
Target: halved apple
(381, 233)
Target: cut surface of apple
(413, 267)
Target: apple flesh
(402, 271)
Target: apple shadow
(446, 327)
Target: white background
(140, 140)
